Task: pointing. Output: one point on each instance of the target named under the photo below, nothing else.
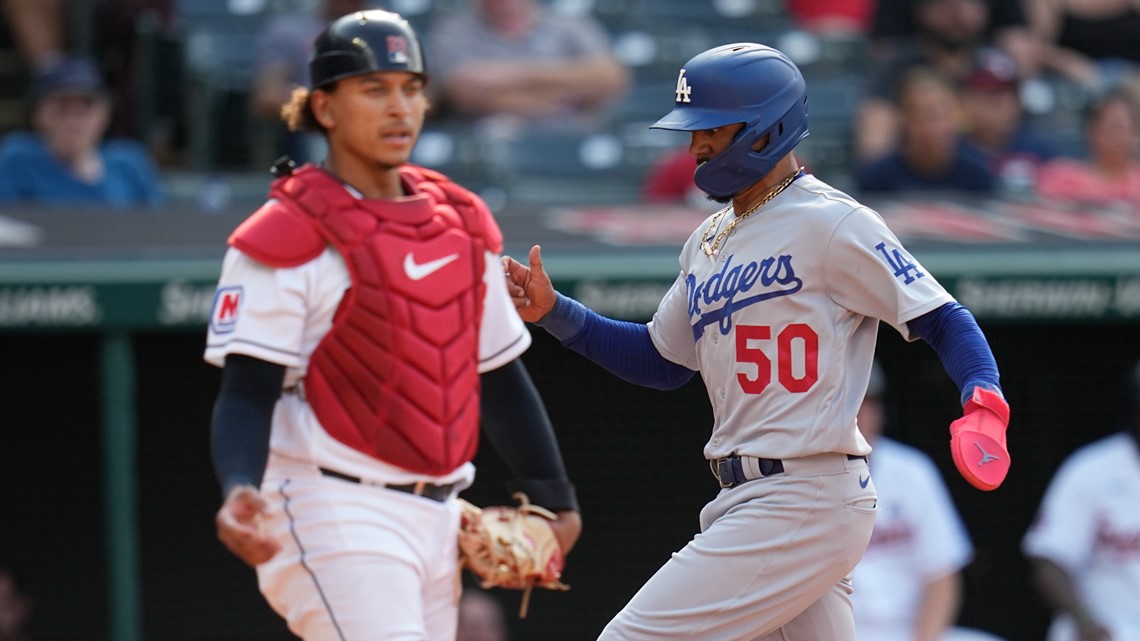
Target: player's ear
(319, 102)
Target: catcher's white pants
(358, 562)
(772, 562)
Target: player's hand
(239, 526)
(977, 440)
(530, 288)
(567, 528)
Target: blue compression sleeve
(243, 414)
(962, 347)
(515, 421)
(622, 348)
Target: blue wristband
(565, 319)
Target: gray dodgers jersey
(782, 322)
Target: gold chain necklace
(711, 250)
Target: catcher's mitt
(513, 548)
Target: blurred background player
(1084, 544)
(365, 331)
(15, 605)
(481, 617)
(908, 585)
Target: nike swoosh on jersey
(864, 481)
(417, 271)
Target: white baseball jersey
(782, 323)
(1089, 524)
(918, 537)
(280, 315)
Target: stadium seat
(714, 15)
(217, 39)
(453, 149)
(551, 167)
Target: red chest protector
(396, 376)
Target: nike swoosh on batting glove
(977, 440)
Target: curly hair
(298, 112)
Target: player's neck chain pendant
(713, 249)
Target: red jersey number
(797, 350)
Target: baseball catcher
(368, 343)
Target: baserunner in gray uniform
(777, 305)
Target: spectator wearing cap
(995, 122)
(64, 160)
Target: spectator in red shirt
(832, 16)
(671, 179)
(1112, 172)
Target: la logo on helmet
(683, 88)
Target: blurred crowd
(121, 103)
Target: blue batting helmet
(364, 42)
(740, 83)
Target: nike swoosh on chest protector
(417, 271)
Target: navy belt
(434, 492)
(729, 471)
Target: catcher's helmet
(364, 42)
(748, 83)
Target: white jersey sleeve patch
(258, 311)
(227, 306)
(870, 272)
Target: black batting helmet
(364, 42)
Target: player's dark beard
(720, 200)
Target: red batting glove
(977, 440)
